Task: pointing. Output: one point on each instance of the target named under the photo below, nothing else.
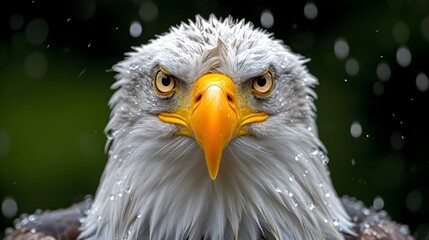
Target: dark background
(55, 82)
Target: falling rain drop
(310, 10)
(267, 19)
(403, 56)
(341, 48)
(356, 129)
(422, 82)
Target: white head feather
(272, 184)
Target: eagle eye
(164, 83)
(262, 85)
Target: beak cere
(213, 117)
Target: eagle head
(212, 135)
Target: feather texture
(272, 184)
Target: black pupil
(261, 81)
(166, 80)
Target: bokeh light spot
(424, 27)
(400, 32)
(135, 29)
(310, 10)
(422, 82)
(378, 203)
(16, 22)
(267, 19)
(403, 56)
(36, 65)
(352, 67)
(396, 140)
(378, 88)
(414, 200)
(4, 143)
(356, 129)
(341, 48)
(84, 9)
(36, 31)
(9, 207)
(148, 11)
(383, 71)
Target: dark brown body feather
(63, 224)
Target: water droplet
(120, 194)
(365, 211)
(112, 197)
(311, 207)
(291, 178)
(353, 162)
(335, 222)
(325, 220)
(33, 230)
(290, 194)
(128, 189)
(278, 189)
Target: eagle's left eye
(262, 85)
(164, 83)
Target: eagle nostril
(198, 98)
(230, 98)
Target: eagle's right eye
(164, 83)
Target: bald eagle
(212, 135)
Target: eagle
(213, 135)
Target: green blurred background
(371, 58)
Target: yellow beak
(214, 117)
